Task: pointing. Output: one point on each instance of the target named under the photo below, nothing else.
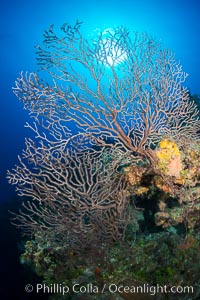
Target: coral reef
(110, 180)
(163, 258)
(169, 255)
(175, 192)
(169, 158)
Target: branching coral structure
(120, 86)
(110, 117)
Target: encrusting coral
(169, 158)
(181, 167)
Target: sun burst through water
(115, 54)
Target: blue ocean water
(175, 22)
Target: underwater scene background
(158, 243)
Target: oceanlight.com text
(112, 288)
